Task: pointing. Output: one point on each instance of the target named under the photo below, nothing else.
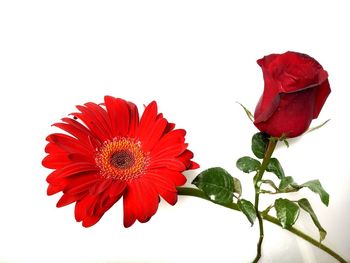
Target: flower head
(112, 153)
(296, 88)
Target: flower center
(121, 158)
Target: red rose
(296, 87)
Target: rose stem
(189, 191)
(270, 148)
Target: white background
(196, 58)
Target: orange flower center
(121, 159)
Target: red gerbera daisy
(112, 153)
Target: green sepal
(248, 164)
(248, 209)
(249, 114)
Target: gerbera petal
(54, 189)
(169, 127)
(67, 199)
(170, 163)
(140, 202)
(92, 123)
(150, 139)
(57, 160)
(119, 115)
(83, 207)
(117, 188)
(170, 139)
(185, 158)
(147, 120)
(79, 134)
(100, 187)
(82, 184)
(53, 148)
(71, 169)
(102, 115)
(53, 161)
(94, 118)
(174, 176)
(134, 119)
(170, 151)
(68, 143)
(163, 186)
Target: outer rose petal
(293, 117)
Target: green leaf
(249, 114)
(287, 184)
(217, 184)
(305, 204)
(248, 164)
(248, 209)
(316, 187)
(260, 142)
(237, 186)
(275, 167)
(287, 212)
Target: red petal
(81, 184)
(169, 127)
(77, 133)
(119, 115)
(149, 140)
(170, 163)
(117, 188)
(95, 127)
(102, 115)
(54, 189)
(100, 187)
(321, 95)
(67, 199)
(193, 166)
(68, 143)
(53, 148)
(140, 202)
(134, 119)
(163, 186)
(147, 120)
(174, 176)
(170, 139)
(185, 158)
(83, 207)
(171, 151)
(57, 160)
(71, 169)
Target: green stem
(270, 148)
(188, 191)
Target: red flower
(296, 87)
(114, 154)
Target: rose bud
(296, 87)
